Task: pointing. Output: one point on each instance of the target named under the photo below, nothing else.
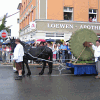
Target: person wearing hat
(97, 56)
(18, 58)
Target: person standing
(63, 50)
(0, 52)
(54, 51)
(66, 17)
(3, 54)
(7, 54)
(18, 58)
(97, 56)
(68, 54)
(90, 20)
(94, 19)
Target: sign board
(65, 26)
(4, 34)
(32, 25)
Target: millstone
(79, 40)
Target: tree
(3, 26)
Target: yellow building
(57, 19)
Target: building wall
(81, 9)
(53, 9)
(98, 11)
(26, 8)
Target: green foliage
(2, 26)
(85, 62)
(77, 40)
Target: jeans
(63, 56)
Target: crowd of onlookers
(61, 51)
(92, 19)
(5, 54)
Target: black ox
(33, 53)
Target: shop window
(59, 34)
(68, 13)
(54, 34)
(50, 34)
(92, 15)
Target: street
(47, 87)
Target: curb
(29, 64)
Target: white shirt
(94, 20)
(18, 53)
(96, 52)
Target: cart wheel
(72, 70)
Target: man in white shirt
(97, 55)
(94, 19)
(18, 58)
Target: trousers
(19, 66)
(98, 66)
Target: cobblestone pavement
(53, 87)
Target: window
(18, 20)
(50, 34)
(31, 6)
(24, 5)
(22, 9)
(59, 34)
(32, 16)
(68, 13)
(92, 15)
(26, 20)
(29, 18)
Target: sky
(10, 7)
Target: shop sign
(72, 26)
(32, 25)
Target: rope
(80, 55)
(39, 58)
(91, 50)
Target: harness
(27, 52)
(42, 51)
(28, 49)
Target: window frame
(94, 13)
(67, 9)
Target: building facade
(57, 19)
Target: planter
(82, 68)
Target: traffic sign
(3, 34)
